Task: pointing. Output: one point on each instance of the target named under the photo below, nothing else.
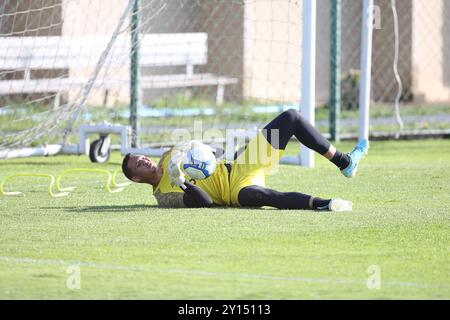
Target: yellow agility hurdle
(41, 175)
(114, 182)
(120, 187)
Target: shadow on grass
(100, 209)
(137, 207)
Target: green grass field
(127, 248)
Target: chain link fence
(229, 63)
(423, 51)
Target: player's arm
(194, 197)
(176, 157)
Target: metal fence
(424, 48)
(245, 70)
(410, 38)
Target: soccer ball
(199, 162)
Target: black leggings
(257, 196)
(291, 123)
(288, 123)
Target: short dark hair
(125, 169)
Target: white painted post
(308, 73)
(366, 68)
(220, 94)
(189, 70)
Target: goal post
(366, 68)
(308, 74)
(308, 102)
(135, 92)
(308, 89)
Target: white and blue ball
(199, 163)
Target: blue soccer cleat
(361, 149)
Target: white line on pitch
(211, 274)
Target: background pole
(366, 67)
(308, 73)
(135, 92)
(335, 74)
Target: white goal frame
(306, 156)
(308, 96)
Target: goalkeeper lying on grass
(241, 183)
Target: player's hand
(178, 153)
(174, 170)
(181, 149)
(198, 144)
(179, 181)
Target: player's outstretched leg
(291, 123)
(257, 196)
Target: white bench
(28, 54)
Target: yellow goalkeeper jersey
(170, 195)
(222, 186)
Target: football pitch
(394, 245)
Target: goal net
(206, 67)
(202, 66)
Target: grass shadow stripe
(223, 275)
